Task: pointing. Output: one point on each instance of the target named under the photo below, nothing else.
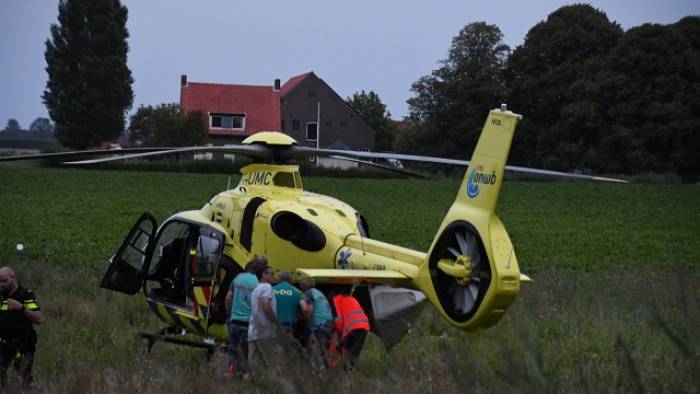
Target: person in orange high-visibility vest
(352, 325)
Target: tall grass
(568, 332)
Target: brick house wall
(336, 120)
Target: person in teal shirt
(289, 300)
(238, 308)
(320, 319)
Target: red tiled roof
(260, 104)
(293, 82)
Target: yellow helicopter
(470, 274)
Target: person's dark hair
(260, 267)
(254, 264)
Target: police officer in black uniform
(18, 314)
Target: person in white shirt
(262, 327)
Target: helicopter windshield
(284, 179)
(207, 254)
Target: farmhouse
(305, 108)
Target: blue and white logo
(343, 260)
(476, 177)
(472, 188)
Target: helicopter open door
(182, 275)
(126, 270)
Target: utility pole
(318, 128)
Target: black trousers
(238, 347)
(20, 357)
(351, 346)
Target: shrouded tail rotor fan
(460, 270)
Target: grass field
(614, 306)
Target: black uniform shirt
(14, 324)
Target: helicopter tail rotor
(460, 270)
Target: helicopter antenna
(354, 286)
(510, 256)
(362, 241)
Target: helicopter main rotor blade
(246, 150)
(77, 154)
(305, 151)
(564, 174)
(380, 166)
(278, 153)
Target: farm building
(304, 107)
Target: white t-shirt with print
(260, 326)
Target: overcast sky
(382, 46)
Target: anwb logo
(477, 177)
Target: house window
(311, 131)
(311, 95)
(329, 123)
(343, 123)
(227, 121)
(295, 124)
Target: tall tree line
(39, 129)
(595, 98)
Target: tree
(541, 75)
(371, 109)
(41, 128)
(652, 86)
(448, 106)
(13, 130)
(167, 125)
(89, 86)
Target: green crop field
(614, 305)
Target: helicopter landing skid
(168, 335)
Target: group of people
(260, 313)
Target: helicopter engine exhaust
(299, 231)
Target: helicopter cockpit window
(169, 246)
(284, 179)
(167, 276)
(207, 255)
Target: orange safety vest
(350, 315)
